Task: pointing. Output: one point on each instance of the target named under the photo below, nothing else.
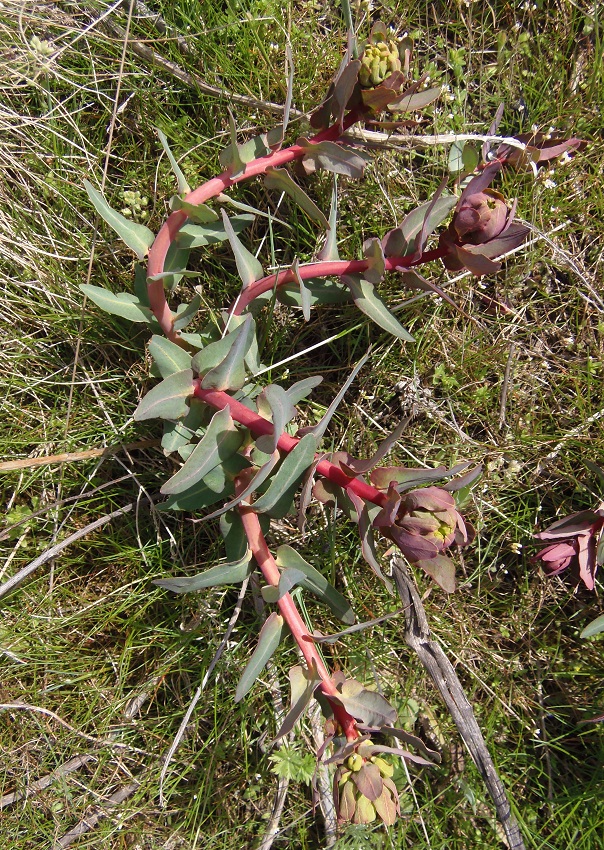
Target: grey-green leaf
(275, 401)
(118, 304)
(168, 356)
(232, 573)
(594, 628)
(315, 582)
(200, 235)
(302, 684)
(167, 400)
(221, 440)
(199, 213)
(289, 474)
(335, 158)
(185, 313)
(248, 266)
(280, 179)
(268, 641)
(136, 236)
(183, 186)
(369, 303)
(230, 373)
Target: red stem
(259, 426)
(296, 624)
(337, 268)
(170, 228)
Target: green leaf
(183, 186)
(136, 236)
(235, 157)
(230, 373)
(369, 707)
(329, 251)
(221, 440)
(179, 434)
(374, 254)
(301, 389)
(415, 102)
(302, 685)
(200, 235)
(315, 582)
(403, 240)
(268, 641)
(258, 479)
(168, 356)
(288, 476)
(280, 179)
(274, 401)
(455, 160)
(119, 304)
(317, 292)
(199, 213)
(319, 429)
(233, 534)
(185, 313)
(332, 157)
(167, 400)
(140, 284)
(305, 297)
(232, 573)
(369, 303)
(195, 498)
(594, 628)
(248, 266)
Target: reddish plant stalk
(170, 228)
(290, 614)
(259, 426)
(337, 268)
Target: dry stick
(442, 673)
(71, 457)
(86, 824)
(55, 550)
(143, 51)
(40, 784)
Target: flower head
(481, 227)
(423, 523)
(380, 59)
(575, 544)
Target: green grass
(88, 632)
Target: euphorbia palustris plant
(242, 457)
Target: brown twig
(70, 457)
(442, 673)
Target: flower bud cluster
(364, 790)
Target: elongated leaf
(118, 304)
(200, 235)
(268, 641)
(359, 627)
(199, 213)
(196, 498)
(233, 534)
(167, 400)
(368, 706)
(455, 158)
(343, 89)
(280, 179)
(290, 579)
(329, 251)
(185, 313)
(212, 354)
(288, 475)
(248, 266)
(233, 573)
(332, 157)
(221, 440)
(374, 254)
(361, 467)
(404, 239)
(258, 479)
(167, 356)
(140, 284)
(316, 583)
(136, 236)
(369, 303)
(274, 401)
(230, 373)
(235, 157)
(179, 434)
(317, 292)
(183, 186)
(302, 388)
(175, 266)
(305, 296)
(319, 429)
(415, 280)
(594, 628)
(368, 549)
(406, 477)
(369, 781)
(415, 102)
(302, 685)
